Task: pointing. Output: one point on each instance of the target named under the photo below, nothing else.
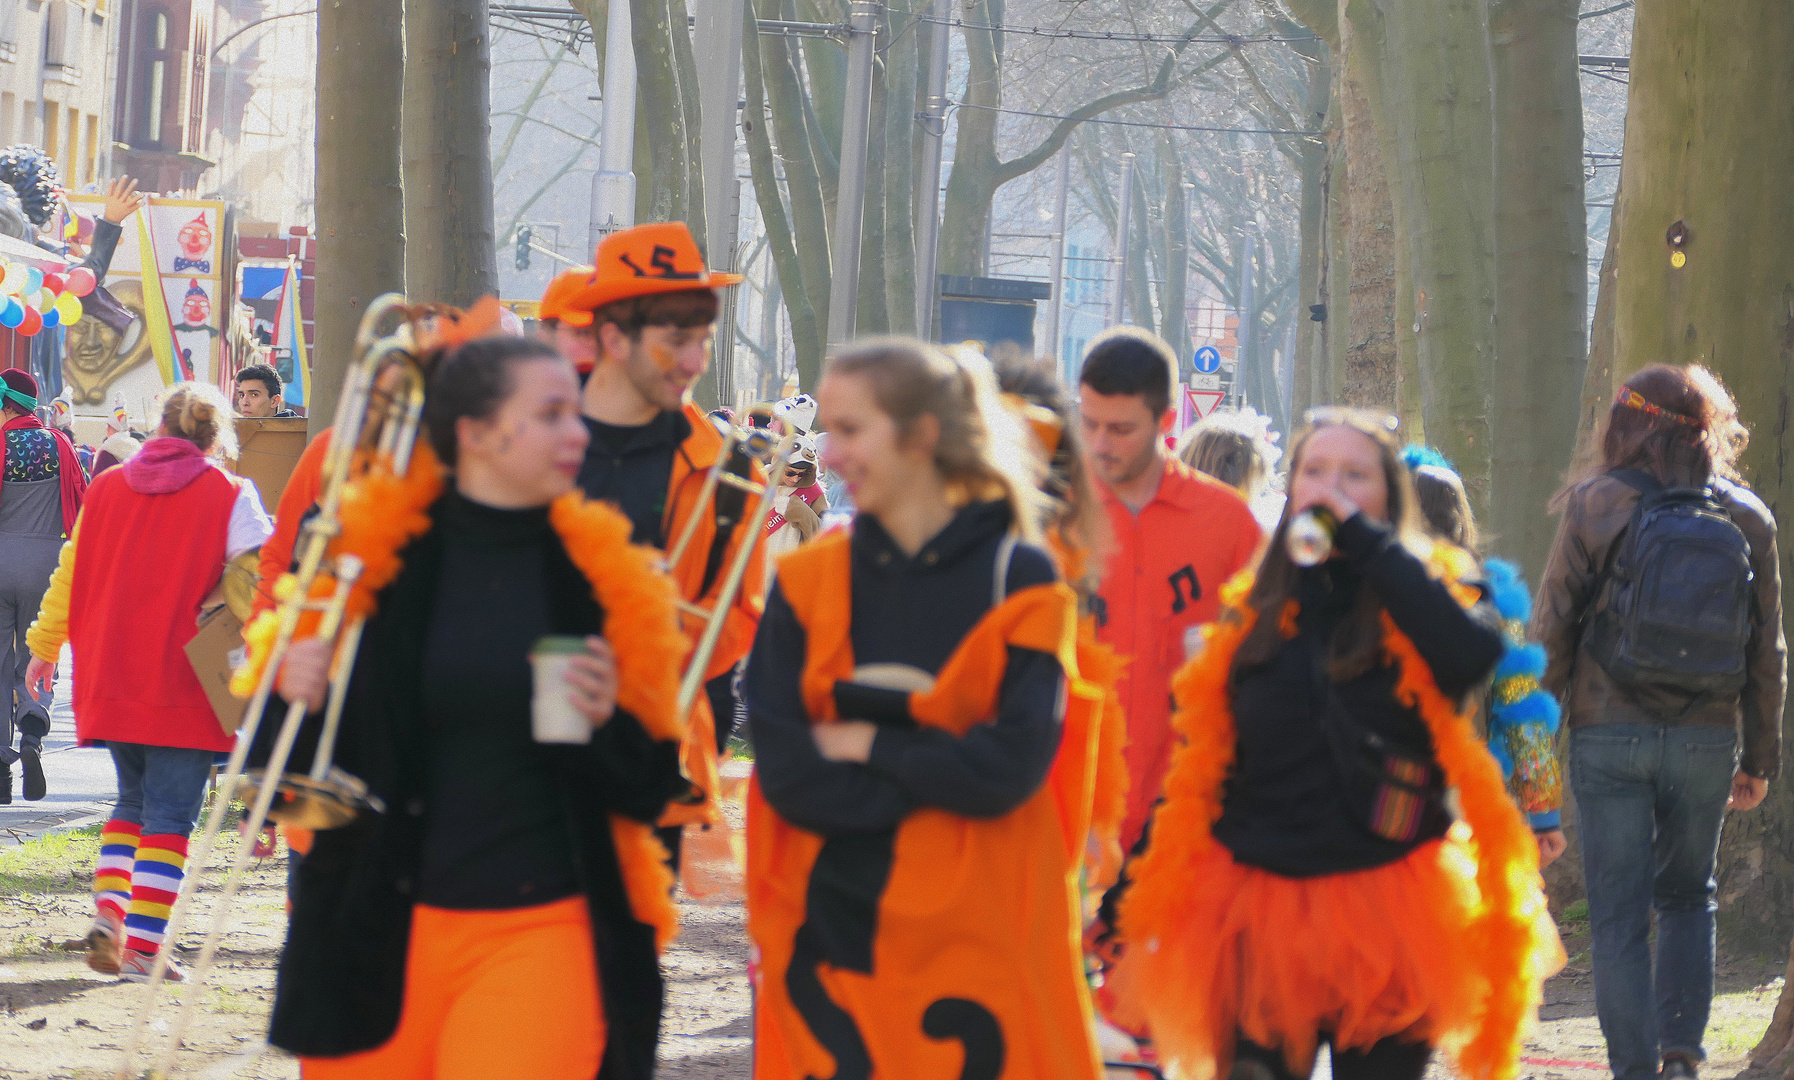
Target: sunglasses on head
(1362, 419)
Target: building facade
(56, 65)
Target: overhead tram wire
(1141, 123)
(1124, 36)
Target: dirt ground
(60, 1020)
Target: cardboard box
(215, 652)
(267, 450)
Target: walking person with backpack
(1660, 612)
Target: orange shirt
(1163, 578)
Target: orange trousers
(490, 995)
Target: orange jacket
(972, 955)
(303, 489)
(1163, 579)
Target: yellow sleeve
(51, 627)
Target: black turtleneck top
(912, 610)
(1284, 808)
(496, 835)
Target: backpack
(1680, 607)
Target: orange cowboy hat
(557, 299)
(646, 260)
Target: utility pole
(1118, 301)
(1056, 306)
(718, 48)
(844, 284)
(1243, 333)
(933, 119)
(613, 185)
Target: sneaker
(136, 968)
(105, 942)
(32, 765)
(1677, 1067)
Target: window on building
(196, 99)
(9, 30)
(157, 77)
(52, 130)
(91, 165)
(9, 113)
(62, 38)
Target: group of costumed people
(940, 784)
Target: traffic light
(523, 238)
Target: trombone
(376, 426)
(732, 470)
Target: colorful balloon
(81, 281)
(70, 308)
(55, 283)
(12, 313)
(33, 322)
(51, 318)
(34, 279)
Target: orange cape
(968, 951)
(1479, 894)
(382, 513)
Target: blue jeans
(1650, 800)
(160, 788)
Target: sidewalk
(81, 782)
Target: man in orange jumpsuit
(1178, 537)
(652, 307)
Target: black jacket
(342, 976)
(1285, 809)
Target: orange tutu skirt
(1360, 956)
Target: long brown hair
(1357, 643)
(1073, 513)
(982, 453)
(1692, 436)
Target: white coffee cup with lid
(553, 716)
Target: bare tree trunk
(810, 218)
(685, 66)
(449, 244)
(1174, 319)
(870, 315)
(899, 122)
(1712, 88)
(1435, 98)
(361, 206)
(662, 129)
(1598, 383)
(1310, 337)
(1371, 371)
(1541, 267)
(806, 324)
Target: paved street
(80, 781)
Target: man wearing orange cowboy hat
(568, 328)
(650, 304)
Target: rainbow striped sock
(112, 877)
(155, 882)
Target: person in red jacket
(151, 542)
(1179, 536)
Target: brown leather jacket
(1595, 514)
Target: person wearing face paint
(502, 916)
(910, 886)
(565, 326)
(1305, 880)
(1179, 536)
(650, 306)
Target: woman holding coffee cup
(910, 889)
(502, 916)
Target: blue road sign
(1208, 360)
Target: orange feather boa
(381, 514)
(1504, 923)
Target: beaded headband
(1633, 399)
